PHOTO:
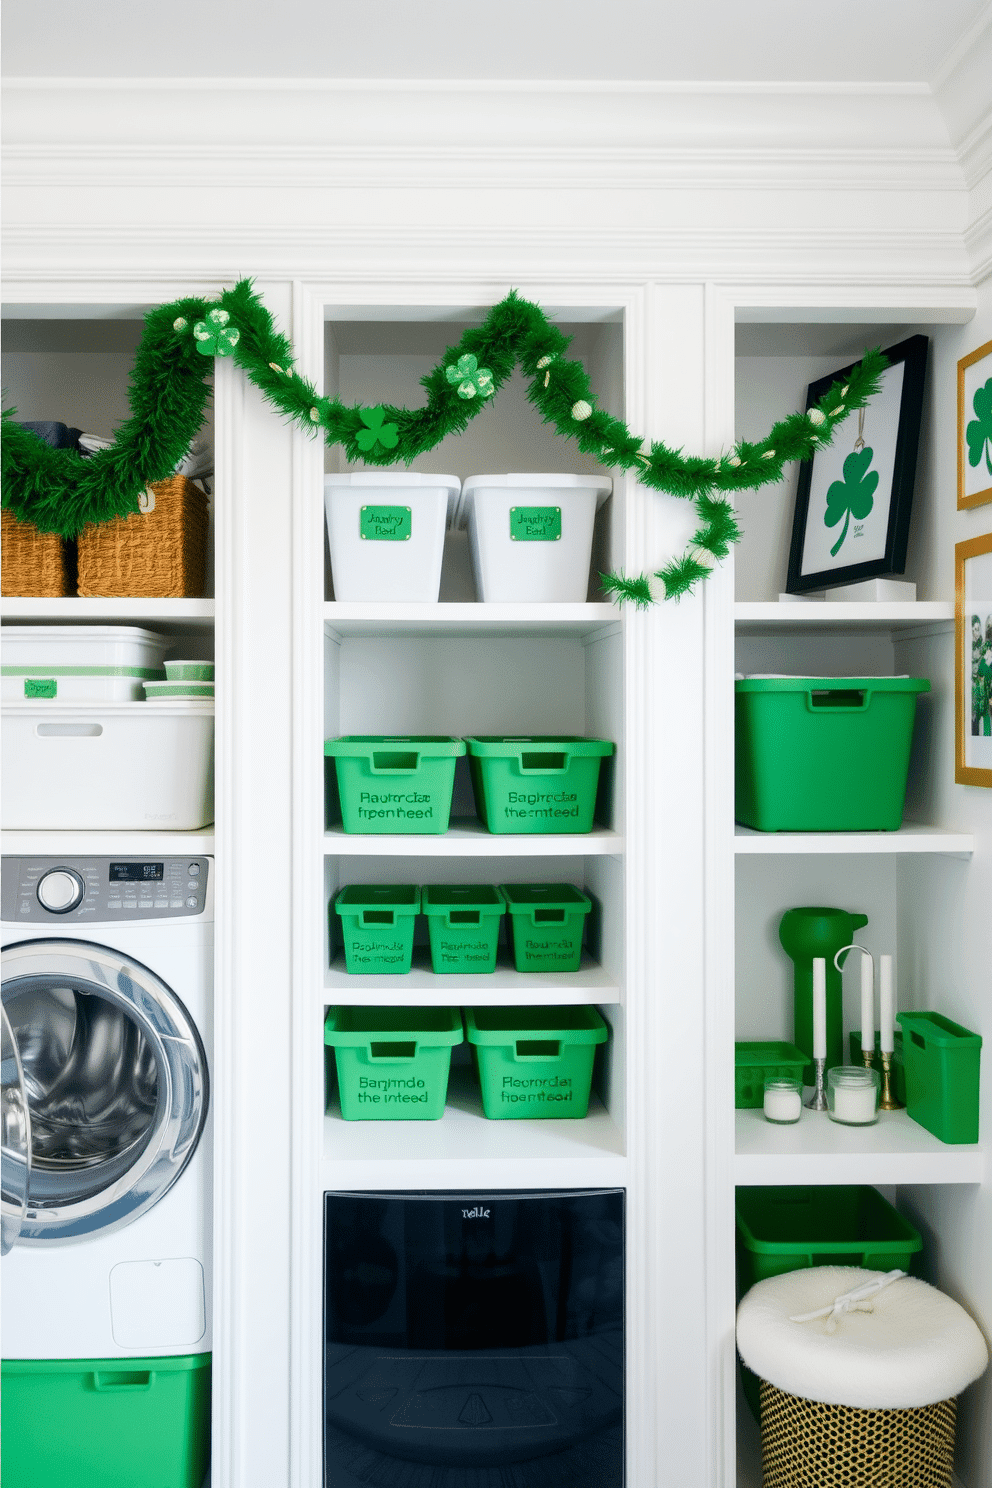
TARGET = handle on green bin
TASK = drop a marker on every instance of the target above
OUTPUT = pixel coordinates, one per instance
(531, 1049)
(117, 1381)
(394, 761)
(463, 917)
(538, 756)
(395, 1052)
(547, 916)
(863, 694)
(370, 917)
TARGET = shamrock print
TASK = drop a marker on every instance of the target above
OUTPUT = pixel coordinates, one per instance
(472, 379)
(375, 431)
(979, 431)
(853, 496)
(214, 337)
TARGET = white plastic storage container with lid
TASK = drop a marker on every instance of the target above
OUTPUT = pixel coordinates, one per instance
(385, 530)
(531, 535)
(79, 663)
(112, 766)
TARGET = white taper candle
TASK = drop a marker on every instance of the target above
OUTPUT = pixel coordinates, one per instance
(867, 1003)
(819, 1008)
(886, 1005)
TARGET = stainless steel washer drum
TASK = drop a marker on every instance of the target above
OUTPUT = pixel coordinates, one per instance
(116, 1083)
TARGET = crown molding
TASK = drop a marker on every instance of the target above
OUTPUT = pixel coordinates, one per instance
(978, 241)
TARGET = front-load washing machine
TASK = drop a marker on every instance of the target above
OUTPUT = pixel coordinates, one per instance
(107, 996)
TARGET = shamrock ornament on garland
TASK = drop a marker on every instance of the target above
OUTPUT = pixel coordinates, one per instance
(375, 431)
(472, 379)
(214, 337)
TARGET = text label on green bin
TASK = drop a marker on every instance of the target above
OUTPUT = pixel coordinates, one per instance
(386, 523)
(535, 523)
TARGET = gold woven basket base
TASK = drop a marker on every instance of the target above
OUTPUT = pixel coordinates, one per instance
(805, 1444)
(157, 553)
(34, 563)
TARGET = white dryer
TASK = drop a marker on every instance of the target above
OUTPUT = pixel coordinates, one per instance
(107, 996)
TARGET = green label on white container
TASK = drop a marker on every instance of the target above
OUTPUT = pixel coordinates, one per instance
(40, 687)
(385, 523)
(535, 523)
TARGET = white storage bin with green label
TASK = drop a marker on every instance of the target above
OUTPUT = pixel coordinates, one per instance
(385, 530)
(531, 535)
(80, 663)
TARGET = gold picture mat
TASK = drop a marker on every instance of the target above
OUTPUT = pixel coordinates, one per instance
(965, 774)
(975, 498)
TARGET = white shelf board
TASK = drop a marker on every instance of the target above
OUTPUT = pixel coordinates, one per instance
(49, 844)
(468, 838)
(818, 1150)
(761, 617)
(910, 838)
(505, 987)
(464, 1148)
(185, 614)
(470, 619)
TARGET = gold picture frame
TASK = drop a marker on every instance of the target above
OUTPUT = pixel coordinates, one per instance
(971, 384)
(973, 661)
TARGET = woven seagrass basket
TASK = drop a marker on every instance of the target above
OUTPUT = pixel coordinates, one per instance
(159, 552)
(34, 563)
(806, 1444)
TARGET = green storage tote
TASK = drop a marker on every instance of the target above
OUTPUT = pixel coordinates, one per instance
(824, 754)
(395, 783)
(757, 1061)
(463, 921)
(99, 1423)
(534, 1061)
(377, 923)
(547, 922)
(537, 782)
(898, 1069)
(942, 1062)
(392, 1062)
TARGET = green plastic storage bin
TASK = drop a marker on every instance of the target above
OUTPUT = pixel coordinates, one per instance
(789, 1229)
(463, 922)
(534, 1061)
(547, 922)
(824, 754)
(377, 922)
(898, 1069)
(942, 1062)
(757, 1061)
(392, 1063)
(536, 783)
(100, 1423)
(392, 783)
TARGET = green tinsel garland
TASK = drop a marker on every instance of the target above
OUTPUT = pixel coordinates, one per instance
(61, 491)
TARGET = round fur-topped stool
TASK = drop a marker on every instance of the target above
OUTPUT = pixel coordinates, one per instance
(860, 1373)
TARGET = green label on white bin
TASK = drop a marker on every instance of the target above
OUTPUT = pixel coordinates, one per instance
(385, 523)
(535, 523)
(40, 687)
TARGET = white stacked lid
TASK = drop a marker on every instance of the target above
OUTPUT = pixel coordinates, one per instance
(79, 663)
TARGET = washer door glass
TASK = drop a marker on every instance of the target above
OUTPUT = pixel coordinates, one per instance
(15, 1121)
(115, 1077)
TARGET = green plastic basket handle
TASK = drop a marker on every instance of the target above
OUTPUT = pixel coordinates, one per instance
(119, 1381)
(395, 761)
(540, 1049)
(543, 754)
(371, 918)
(863, 693)
(389, 1052)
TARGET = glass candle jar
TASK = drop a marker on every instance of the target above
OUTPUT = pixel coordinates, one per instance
(852, 1094)
(783, 1101)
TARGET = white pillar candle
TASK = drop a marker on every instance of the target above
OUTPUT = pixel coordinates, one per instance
(819, 1008)
(886, 1005)
(867, 1003)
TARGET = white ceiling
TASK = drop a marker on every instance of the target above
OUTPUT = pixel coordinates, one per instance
(854, 41)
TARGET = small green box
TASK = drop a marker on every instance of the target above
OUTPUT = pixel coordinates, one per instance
(463, 921)
(393, 783)
(757, 1061)
(536, 782)
(534, 1061)
(942, 1062)
(90, 1423)
(824, 754)
(546, 925)
(377, 922)
(898, 1069)
(392, 1062)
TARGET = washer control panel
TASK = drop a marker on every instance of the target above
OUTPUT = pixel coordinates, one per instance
(102, 890)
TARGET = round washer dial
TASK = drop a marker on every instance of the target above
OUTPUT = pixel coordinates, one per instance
(60, 890)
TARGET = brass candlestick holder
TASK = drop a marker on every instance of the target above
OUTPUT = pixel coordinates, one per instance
(887, 1101)
(818, 1100)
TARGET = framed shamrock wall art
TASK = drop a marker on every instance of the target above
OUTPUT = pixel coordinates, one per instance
(854, 497)
(975, 427)
(973, 661)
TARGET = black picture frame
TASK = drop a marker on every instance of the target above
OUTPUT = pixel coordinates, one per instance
(895, 412)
